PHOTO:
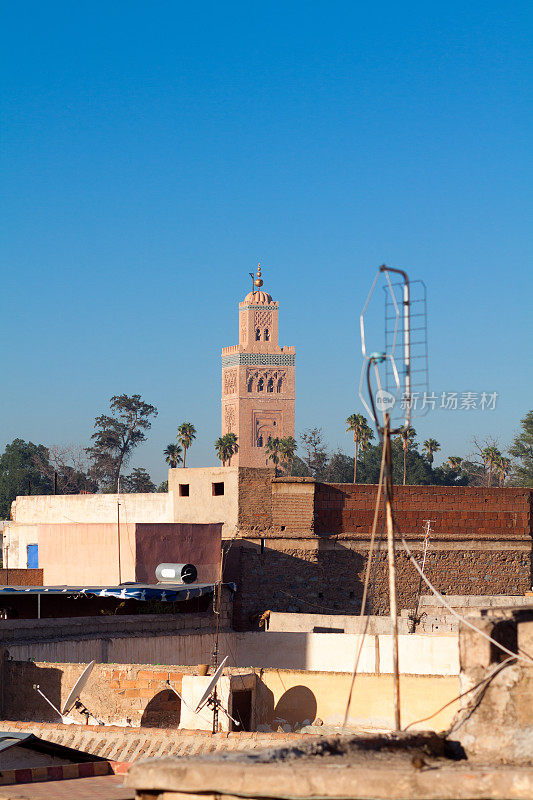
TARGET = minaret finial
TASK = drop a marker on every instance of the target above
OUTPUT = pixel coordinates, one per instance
(258, 281)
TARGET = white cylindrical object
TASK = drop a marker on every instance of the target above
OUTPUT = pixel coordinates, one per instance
(176, 573)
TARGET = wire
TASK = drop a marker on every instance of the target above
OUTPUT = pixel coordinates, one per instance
(525, 657)
(482, 682)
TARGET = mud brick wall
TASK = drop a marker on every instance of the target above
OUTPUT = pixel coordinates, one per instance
(120, 694)
(314, 557)
(255, 499)
(454, 511)
(21, 577)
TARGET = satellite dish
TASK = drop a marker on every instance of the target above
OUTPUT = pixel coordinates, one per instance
(212, 683)
(77, 689)
(72, 700)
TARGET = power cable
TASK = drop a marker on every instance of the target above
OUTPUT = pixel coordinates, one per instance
(482, 682)
(525, 657)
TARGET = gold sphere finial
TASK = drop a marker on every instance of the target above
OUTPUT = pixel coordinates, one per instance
(258, 281)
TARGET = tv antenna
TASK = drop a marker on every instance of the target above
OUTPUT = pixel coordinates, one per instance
(392, 379)
(209, 698)
(402, 350)
(73, 700)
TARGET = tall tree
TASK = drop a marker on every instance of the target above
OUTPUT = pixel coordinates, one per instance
(226, 446)
(186, 436)
(503, 468)
(66, 467)
(172, 455)
(362, 434)
(231, 445)
(116, 435)
(454, 463)
(522, 449)
(407, 438)
(287, 449)
(138, 481)
(19, 471)
(490, 455)
(430, 447)
(272, 452)
(221, 450)
(339, 468)
(316, 455)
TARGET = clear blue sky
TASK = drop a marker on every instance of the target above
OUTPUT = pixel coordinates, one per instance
(152, 153)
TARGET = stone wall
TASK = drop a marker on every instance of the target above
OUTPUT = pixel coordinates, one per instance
(495, 720)
(255, 499)
(138, 695)
(313, 559)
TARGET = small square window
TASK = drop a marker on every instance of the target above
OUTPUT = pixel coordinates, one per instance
(184, 489)
(218, 489)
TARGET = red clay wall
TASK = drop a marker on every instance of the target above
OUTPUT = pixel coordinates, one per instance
(454, 511)
(21, 577)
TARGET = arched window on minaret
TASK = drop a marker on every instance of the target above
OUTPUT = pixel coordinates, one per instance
(250, 384)
(270, 385)
(257, 334)
(267, 335)
(260, 385)
(279, 385)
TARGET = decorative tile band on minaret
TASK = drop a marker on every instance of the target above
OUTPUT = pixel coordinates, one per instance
(258, 392)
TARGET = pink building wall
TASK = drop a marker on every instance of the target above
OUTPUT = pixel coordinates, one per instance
(87, 553)
(77, 553)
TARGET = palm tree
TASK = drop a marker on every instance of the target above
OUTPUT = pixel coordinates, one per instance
(186, 435)
(431, 446)
(221, 448)
(272, 452)
(454, 463)
(406, 437)
(503, 467)
(287, 448)
(230, 443)
(173, 455)
(362, 434)
(490, 455)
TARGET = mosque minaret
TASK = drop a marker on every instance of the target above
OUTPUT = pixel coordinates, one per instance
(257, 380)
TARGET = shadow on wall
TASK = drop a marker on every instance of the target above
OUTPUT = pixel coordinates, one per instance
(295, 706)
(327, 579)
(163, 711)
(21, 701)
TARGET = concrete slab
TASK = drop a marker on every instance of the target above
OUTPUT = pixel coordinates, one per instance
(395, 767)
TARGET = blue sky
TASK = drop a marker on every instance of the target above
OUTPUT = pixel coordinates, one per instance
(152, 153)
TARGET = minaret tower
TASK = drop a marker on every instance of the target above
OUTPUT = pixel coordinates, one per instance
(257, 380)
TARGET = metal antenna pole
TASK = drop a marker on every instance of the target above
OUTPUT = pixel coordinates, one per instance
(216, 602)
(118, 530)
(392, 571)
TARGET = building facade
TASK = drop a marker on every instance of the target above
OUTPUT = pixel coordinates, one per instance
(258, 390)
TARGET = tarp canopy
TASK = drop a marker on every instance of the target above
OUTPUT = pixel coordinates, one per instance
(166, 593)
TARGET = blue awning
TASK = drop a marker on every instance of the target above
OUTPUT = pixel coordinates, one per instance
(171, 593)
